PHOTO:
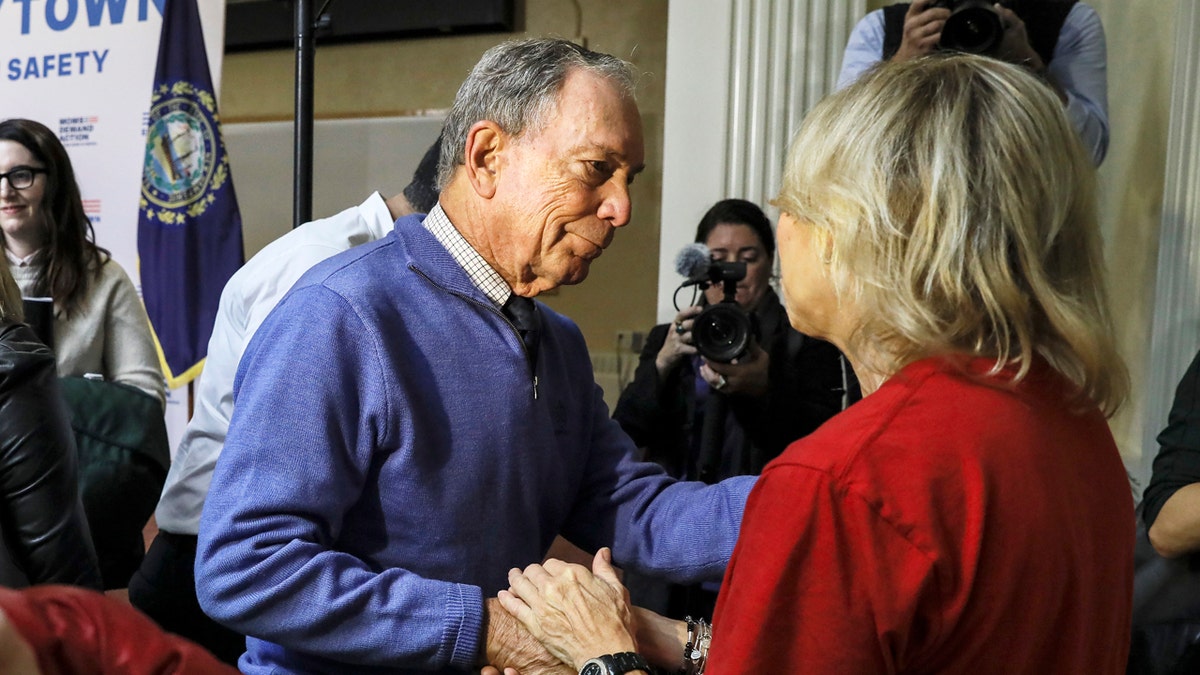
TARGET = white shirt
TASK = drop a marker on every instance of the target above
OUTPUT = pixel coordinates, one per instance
(248, 298)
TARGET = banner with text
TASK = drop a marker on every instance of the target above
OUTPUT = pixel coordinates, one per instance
(85, 68)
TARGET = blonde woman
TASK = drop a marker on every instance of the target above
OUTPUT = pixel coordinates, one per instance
(971, 514)
(44, 535)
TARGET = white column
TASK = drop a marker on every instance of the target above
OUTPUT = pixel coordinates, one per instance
(1175, 334)
(740, 76)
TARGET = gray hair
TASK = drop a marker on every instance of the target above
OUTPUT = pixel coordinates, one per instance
(516, 85)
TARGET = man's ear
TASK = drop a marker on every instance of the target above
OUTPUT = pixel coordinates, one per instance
(485, 142)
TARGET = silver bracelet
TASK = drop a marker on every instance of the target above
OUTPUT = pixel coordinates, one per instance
(695, 650)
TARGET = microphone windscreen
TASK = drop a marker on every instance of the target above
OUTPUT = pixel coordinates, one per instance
(693, 260)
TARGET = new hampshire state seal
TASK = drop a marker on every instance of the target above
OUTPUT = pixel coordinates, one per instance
(182, 170)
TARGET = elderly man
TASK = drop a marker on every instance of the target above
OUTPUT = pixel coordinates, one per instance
(409, 425)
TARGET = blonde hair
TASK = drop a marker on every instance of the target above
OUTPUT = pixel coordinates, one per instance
(962, 212)
(10, 296)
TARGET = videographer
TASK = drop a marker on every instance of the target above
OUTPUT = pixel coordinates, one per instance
(1062, 41)
(701, 419)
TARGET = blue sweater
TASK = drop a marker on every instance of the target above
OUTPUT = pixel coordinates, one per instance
(388, 462)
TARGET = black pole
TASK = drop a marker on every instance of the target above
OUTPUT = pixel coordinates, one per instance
(303, 161)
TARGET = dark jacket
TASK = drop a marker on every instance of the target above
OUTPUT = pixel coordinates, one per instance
(43, 532)
(806, 387)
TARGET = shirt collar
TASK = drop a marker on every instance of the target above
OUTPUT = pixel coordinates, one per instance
(18, 261)
(483, 275)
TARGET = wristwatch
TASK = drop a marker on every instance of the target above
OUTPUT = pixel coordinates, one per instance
(615, 664)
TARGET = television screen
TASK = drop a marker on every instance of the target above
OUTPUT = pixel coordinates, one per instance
(270, 24)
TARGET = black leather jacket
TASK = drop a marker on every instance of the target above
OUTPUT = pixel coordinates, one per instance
(43, 532)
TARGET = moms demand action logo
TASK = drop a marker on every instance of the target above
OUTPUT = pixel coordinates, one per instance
(182, 171)
(73, 131)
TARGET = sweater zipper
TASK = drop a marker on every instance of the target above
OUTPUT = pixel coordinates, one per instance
(491, 308)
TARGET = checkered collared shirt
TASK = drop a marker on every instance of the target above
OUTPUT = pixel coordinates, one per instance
(486, 278)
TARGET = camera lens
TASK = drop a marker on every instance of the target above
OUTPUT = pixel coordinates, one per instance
(722, 332)
(974, 27)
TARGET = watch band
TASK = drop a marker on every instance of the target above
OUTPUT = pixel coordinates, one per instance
(615, 664)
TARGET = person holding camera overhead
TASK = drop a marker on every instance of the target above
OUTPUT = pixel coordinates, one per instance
(703, 419)
(1060, 41)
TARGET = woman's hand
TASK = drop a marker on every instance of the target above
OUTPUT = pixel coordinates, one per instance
(659, 639)
(678, 343)
(748, 375)
(577, 614)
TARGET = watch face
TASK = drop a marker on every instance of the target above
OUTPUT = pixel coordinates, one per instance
(593, 668)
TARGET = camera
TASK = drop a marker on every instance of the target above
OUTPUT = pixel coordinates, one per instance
(722, 331)
(973, 27)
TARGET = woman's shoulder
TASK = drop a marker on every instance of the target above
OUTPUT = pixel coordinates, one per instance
(109, 269)
(110, 280)
(910, 406)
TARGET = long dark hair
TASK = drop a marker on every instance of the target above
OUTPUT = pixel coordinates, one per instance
(71, 260)
(738, 212)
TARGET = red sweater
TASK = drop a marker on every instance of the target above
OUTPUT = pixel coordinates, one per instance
(938, 526)
(78, 631)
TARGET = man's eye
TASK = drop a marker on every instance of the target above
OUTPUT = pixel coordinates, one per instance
(600, 166)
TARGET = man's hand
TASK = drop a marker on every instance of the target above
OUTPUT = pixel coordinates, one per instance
(512, 647)
(747, 376)
(1014, 46)
(922, 30)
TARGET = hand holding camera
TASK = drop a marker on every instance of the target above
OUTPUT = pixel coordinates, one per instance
(678, 344)
(972, 26)
(722, 331)
(748, 375)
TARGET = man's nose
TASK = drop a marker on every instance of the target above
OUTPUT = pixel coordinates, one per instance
(617, 207)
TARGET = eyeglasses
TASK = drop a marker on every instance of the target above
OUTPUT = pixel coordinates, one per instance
(22, 176)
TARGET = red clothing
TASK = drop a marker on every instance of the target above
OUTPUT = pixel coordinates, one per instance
(940, 525)
(80, 632)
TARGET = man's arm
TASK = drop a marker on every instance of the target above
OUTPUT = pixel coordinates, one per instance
(310, 414)
(1080, 69)
(864, 48)
(679, 531)
(1176, 531)
(1171, 502)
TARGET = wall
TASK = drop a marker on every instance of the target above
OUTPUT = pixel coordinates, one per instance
(1141, 47)
(405, 77)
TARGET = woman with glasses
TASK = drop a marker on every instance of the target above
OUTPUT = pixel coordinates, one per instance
(100, 325)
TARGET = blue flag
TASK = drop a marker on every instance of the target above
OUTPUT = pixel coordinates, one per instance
(189, 228)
